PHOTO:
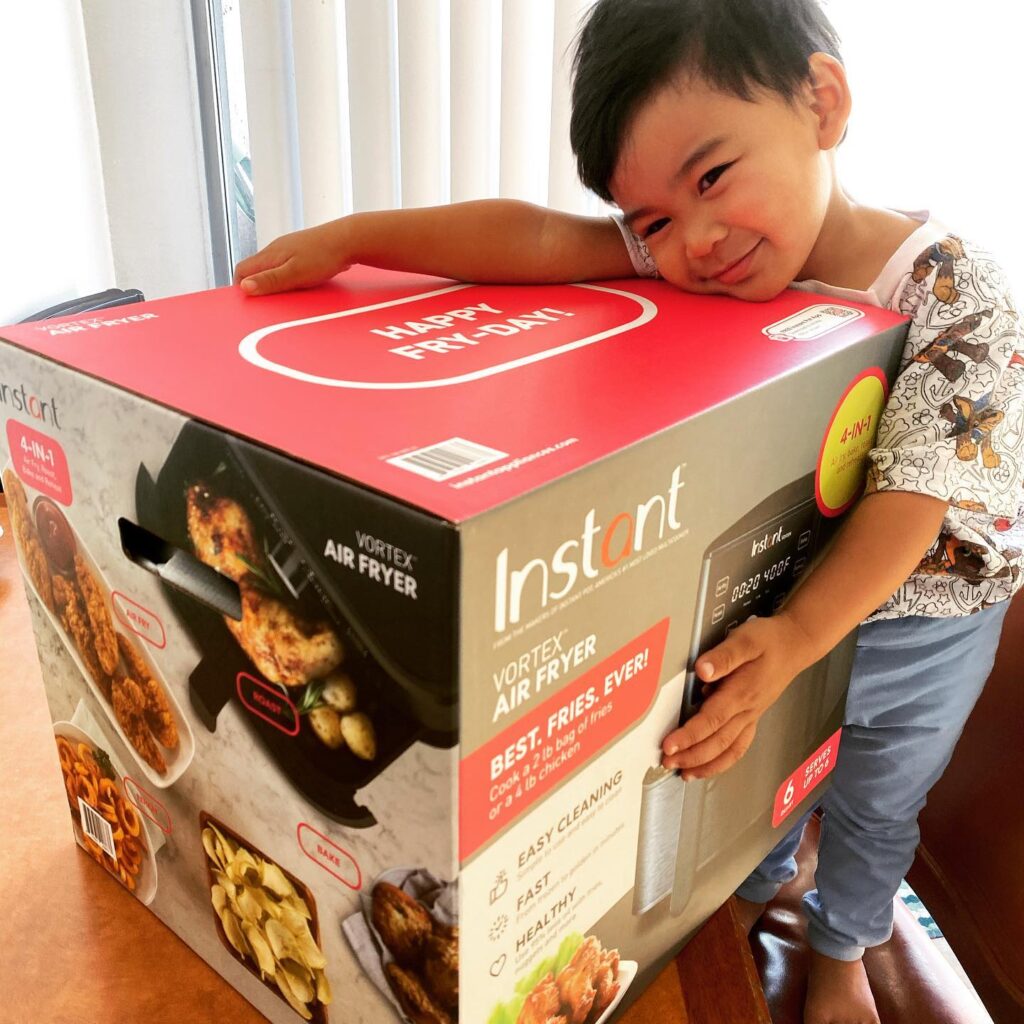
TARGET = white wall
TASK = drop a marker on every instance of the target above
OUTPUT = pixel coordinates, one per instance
(54, 242)
(143, 78)
(938, 114)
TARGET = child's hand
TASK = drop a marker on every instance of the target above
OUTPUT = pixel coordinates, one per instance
(750, 668)
(299, 260)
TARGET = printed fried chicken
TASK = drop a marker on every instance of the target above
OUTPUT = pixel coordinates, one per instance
(104, 636)
(221, 532)
(283, 645)
(17, 500)
(70, 606)
(606, 983)
(543, 1005)
(441, 970)
(38, 568)
(130, 711)
(28, 539)
(413, 998)
(576, 980)
(158, 712)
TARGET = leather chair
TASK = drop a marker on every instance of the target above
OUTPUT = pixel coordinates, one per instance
(969, 872)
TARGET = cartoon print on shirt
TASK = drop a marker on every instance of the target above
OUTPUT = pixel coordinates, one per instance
(954, 339)
(970, 506)
(973, 423)
(953, 556)
(942, 255)
(954, 428)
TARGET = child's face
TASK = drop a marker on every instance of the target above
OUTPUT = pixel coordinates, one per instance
(729, 195)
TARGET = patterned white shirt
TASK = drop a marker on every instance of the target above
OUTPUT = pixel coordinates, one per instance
(953, 427)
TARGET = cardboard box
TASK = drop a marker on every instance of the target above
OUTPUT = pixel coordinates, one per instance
(491, 527)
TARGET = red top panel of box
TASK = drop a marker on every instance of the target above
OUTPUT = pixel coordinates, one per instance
(504, 387)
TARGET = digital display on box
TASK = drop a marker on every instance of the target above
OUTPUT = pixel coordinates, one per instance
(752, 574)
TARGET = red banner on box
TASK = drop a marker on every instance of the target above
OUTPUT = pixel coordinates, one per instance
(805, 778)
(544, 747)
(40, 461)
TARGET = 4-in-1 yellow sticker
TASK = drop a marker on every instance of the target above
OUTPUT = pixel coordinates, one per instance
(842, 462)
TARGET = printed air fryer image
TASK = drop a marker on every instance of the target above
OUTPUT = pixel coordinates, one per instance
(302, 655)
(279, 638)
(77, 599)
(406, 939)
(581, 984)
(266, 919)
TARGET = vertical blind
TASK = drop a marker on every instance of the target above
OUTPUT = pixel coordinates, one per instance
(370, 104)
(373, 104)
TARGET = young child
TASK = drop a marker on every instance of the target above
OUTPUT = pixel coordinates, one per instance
(713, 125)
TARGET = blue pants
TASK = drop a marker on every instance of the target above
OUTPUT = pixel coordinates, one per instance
(915, 681)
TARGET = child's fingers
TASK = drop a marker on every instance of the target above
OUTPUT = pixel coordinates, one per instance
(698, 755)
(735, 650)
(715, 715)
(266, 282)
(727, 758)
(254, 264)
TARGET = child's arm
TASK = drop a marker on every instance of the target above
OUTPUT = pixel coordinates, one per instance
(878, 547)
(492, 240)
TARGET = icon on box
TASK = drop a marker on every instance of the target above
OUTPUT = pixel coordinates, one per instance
(500, 887)
(805, 539)
(799, 565)
(718, 614)
(722, 586)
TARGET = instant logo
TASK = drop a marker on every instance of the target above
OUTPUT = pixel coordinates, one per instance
(597, 548)
(19, 398)
(92, 323)
(768, 541)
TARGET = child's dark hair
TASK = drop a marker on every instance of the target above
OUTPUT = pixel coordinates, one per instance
(628, 49)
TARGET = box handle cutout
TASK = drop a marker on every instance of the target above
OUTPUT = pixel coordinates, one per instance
(180, 569)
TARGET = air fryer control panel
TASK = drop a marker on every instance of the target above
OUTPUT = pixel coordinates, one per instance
(751, 575)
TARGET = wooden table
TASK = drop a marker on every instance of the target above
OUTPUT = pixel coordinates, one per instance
(78, 949)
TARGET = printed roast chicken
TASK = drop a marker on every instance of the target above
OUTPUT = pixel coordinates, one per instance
(286, 647)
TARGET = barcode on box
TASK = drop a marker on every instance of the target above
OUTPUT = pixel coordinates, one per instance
(97, 828)
(447, 458)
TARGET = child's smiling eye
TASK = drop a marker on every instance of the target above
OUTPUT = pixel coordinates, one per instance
(711, 177)
(654, 227)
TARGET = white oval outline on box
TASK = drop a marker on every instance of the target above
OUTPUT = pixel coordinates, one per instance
(248, 347)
